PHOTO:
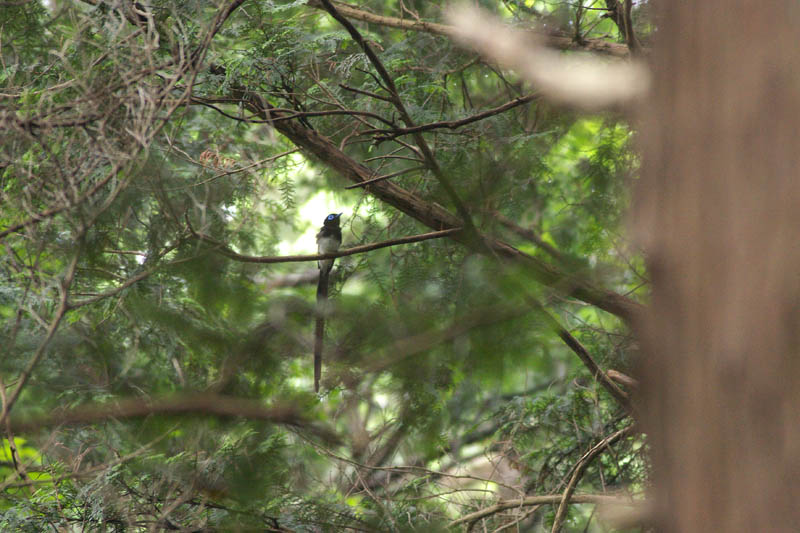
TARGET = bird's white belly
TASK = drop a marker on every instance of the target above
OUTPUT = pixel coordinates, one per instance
(326, 245)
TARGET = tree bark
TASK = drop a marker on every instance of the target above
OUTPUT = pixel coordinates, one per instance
(719, 214)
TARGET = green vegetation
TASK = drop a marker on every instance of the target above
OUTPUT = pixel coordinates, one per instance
(156, 376)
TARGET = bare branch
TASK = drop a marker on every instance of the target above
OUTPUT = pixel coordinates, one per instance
(385, 177)
(533, 501)
(181, 404)
(623, 379)
(225, 250)
(454, 124)
(288, 114)
(365, 93)
(594, 368)
(584, 462)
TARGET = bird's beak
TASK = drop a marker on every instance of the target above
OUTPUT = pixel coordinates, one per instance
(339, 215)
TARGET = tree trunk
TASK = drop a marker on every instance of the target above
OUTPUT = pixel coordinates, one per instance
(719, 212)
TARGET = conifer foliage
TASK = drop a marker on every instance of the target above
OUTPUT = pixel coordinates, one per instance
(164, 163)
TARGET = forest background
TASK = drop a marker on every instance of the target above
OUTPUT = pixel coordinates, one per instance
(164, 167)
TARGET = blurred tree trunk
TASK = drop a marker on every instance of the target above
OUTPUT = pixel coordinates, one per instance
(719, 208)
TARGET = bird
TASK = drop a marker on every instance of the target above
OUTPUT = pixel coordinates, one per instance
(329, 239)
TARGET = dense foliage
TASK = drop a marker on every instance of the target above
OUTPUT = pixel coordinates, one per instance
(157, 371)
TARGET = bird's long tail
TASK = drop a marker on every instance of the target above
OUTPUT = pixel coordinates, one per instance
(319, 328)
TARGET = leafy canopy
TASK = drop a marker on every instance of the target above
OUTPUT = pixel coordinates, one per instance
(157, 378)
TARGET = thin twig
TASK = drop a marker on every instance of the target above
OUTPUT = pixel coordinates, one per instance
(121, 287)
(225, 250)
(583, 354)
(63, 307)
(594, 368)
(19, 466)
(385, 177)
(365, 93)
(292, 114)
(454, 124)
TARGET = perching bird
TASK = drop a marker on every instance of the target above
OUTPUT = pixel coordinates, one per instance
(329, 239)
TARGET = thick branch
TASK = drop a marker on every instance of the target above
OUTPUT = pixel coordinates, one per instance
(620, 13)
(182, 404)
(437, 217)
(427, 153)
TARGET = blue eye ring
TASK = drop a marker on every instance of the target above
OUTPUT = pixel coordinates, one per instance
(330, 217)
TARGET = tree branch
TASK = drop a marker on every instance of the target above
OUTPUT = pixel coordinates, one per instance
(180, 404)
(453, 124)
(225, 250)
(191, 68)
(437, 217)
(287, 114)
(385, 177)
(620, 13)
(584, 462)
(531, 235)
(583, 354)
(532, 500)
(394, 94)
(49, 213)
(63, 307)
(589, 362)
(560, 42)
(124, 285)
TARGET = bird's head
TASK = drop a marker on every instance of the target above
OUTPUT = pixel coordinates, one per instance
(332, 219)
